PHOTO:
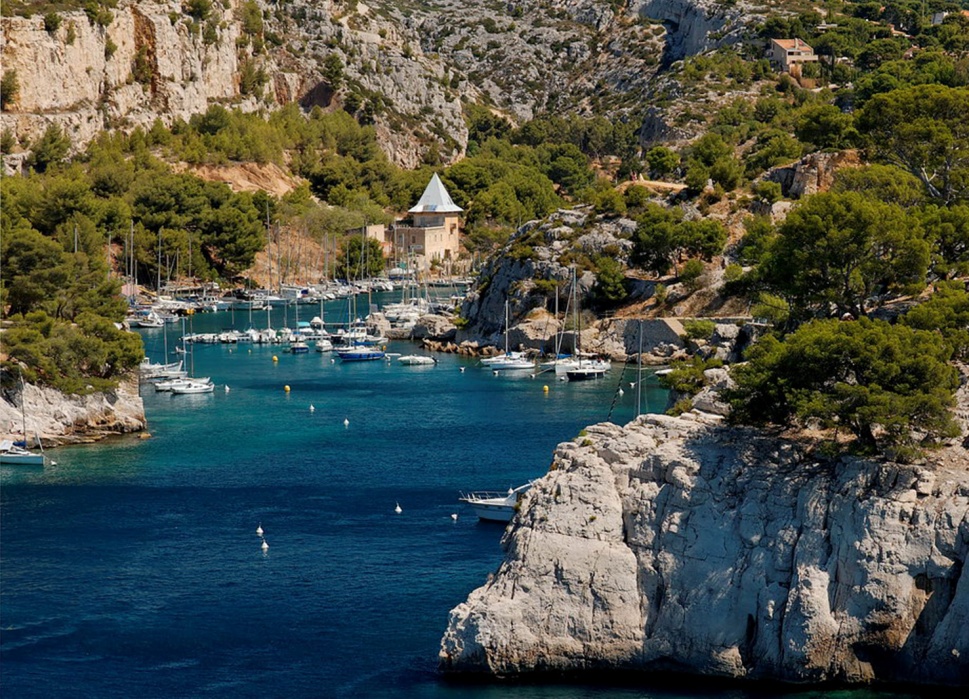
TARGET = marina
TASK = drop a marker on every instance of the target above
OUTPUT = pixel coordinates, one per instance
(168, 592)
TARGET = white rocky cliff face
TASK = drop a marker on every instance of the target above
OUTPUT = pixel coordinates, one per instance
(58, 418)
(680, 544)
(143, 65)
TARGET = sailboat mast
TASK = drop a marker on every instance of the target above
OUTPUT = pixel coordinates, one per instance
(23, 406)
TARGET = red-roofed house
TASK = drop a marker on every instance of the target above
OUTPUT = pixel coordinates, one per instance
(790, 54)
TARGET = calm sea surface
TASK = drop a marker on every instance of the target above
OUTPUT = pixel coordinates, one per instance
(132, 568)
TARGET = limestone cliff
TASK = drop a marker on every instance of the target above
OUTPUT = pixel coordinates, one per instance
(405, 67)
(56, 418)
(680, 544)
(149, 62)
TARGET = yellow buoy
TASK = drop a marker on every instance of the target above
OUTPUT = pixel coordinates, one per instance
(286, 388)
(144, 435)
(275, 358)
(545, 389)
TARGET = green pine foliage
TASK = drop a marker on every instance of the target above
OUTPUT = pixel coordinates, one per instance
(888, 386)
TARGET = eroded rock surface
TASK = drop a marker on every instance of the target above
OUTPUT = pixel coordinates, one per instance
(683, 544)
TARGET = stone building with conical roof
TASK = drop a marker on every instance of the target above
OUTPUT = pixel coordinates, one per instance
(435, 226)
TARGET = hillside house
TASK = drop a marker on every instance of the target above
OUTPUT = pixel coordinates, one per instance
(788, 55)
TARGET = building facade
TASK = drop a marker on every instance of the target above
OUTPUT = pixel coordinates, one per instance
(788, 55)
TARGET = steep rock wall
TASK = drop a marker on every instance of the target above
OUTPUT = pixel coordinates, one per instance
(83, 77)
(680, 544)
(694, 26)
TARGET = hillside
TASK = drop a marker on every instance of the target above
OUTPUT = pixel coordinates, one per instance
(406, 67)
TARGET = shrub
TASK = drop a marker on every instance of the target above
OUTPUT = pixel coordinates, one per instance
(52, 21)
(9, 89)
(699, 329)
(690, 274)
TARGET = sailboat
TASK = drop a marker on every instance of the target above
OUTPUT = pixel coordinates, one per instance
(358, 346)
(16, 453)
(190, 384)
(577, 367)
(509, 361)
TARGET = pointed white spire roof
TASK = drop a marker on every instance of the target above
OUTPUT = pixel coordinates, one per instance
(435, 199)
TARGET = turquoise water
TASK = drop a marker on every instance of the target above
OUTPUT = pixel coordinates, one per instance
(132, 567)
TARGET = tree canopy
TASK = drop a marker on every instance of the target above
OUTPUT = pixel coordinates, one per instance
(924, 130)
(836, 252)
(889, 386)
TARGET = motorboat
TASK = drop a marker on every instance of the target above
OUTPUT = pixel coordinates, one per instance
(324, 345)
(416, 360)
(15, 454)
(172, 384)
(361, 353)
(496, 506)
(192, 386)
(299, 347)
(592, 369)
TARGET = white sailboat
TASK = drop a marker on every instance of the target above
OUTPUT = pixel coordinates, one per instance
(190, 384)
(16, 453)
(509, 361)
(578, 366)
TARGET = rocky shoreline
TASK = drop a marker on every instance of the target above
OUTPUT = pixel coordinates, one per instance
(684, 545)
(57, 418)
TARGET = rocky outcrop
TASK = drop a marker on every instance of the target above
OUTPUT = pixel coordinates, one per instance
(680, 544)
(57, 418)
(813, 173)
(695, 26)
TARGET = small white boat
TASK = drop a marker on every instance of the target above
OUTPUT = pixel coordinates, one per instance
(192, 386)
(416, 360)
(172, 384)
(495, 506)
(299, 347)
(12, 454)
(500, 358)
(509, 361)
(324, 345)
(512, 364)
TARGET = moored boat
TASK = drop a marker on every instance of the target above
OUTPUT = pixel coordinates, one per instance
(361, 353)
(416, 360)
(14, 454)
(494, 506)
(192, 386)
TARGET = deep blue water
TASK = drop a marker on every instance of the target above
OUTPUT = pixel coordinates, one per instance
(132, 567)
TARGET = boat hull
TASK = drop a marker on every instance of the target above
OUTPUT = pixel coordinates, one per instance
(585, 374)
(493, 512)
(25, 459)
(360, 355)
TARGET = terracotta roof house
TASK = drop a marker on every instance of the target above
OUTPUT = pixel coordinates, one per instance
(789, 54)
